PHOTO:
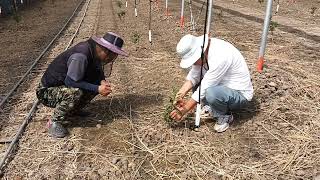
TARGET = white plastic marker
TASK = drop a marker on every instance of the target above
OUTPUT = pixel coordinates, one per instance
(0, 10)
(264, 36)
(21, 1)
(126, 3)
(150, 36)
(182, 16)
(150, 1)
(206, 32)
(198, 115)
(209, 17)
(278, 5)
(191, 16)
(135, 8)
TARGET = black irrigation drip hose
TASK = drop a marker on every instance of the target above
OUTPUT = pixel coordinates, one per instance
(202, 49)
(5, 99)
(35, 104)
(17, 136)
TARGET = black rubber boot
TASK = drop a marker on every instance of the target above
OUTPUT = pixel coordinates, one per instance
(56, 130)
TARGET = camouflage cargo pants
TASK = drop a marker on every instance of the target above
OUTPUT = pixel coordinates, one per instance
(65, 100)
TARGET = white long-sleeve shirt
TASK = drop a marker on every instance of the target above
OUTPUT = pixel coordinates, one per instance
(227, 67)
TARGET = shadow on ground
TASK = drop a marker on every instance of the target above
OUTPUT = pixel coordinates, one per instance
(105, 111)
(240, 117)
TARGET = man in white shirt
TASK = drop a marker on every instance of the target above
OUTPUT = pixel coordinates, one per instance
(226, 84)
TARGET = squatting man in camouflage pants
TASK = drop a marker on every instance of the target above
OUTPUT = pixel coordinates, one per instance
(75, 77)
(226, 85)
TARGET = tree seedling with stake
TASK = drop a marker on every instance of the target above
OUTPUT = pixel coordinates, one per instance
(273, 26)
(16, 16)
(313, 10)
(119, 3)
(121, 14)
(135, 38)
(150, 19)
(220, 13)
(191, 17)
(169, 107)
(135, 8)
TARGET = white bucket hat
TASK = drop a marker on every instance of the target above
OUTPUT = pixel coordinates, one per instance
(189, 49)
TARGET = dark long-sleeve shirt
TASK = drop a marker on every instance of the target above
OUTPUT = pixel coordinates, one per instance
(77, 64)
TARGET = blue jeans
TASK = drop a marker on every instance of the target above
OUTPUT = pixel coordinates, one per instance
(222, 100)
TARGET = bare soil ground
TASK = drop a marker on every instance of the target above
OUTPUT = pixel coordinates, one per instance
(299, 17)
(306, 11)
(276, 138)
(21, 42)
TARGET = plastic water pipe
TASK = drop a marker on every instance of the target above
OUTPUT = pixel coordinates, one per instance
(167, 11)
(206, 32)
(264, 36)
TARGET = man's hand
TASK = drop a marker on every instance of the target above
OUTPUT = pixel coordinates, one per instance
(105, 89)
(181, 110)
(178, 113)
(186, 87)
(179, 103)
(178, 98)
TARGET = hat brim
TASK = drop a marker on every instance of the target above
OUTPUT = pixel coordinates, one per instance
(186, 62)
(109, 46)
